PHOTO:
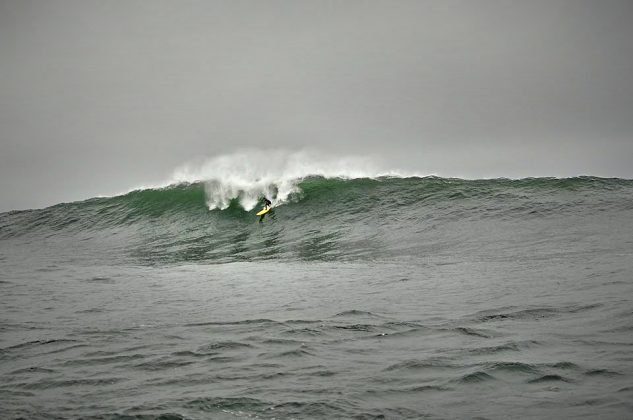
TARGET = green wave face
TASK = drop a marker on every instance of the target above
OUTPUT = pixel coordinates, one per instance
(317, 219)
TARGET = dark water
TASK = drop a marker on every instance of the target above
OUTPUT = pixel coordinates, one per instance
(388, 298)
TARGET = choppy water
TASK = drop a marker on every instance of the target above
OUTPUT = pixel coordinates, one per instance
(383, 298)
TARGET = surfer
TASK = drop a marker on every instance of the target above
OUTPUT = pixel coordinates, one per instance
(263, 211)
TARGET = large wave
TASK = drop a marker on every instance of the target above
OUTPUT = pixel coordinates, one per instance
(330, 219)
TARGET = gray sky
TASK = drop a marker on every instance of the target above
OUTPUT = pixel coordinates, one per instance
(97, 97)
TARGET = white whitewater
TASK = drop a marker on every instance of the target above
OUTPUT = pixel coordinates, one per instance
(250, 174)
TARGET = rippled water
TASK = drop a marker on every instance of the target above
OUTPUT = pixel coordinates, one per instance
(524, 317)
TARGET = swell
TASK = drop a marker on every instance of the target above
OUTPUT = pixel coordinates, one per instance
(337, 194)
(319, 218)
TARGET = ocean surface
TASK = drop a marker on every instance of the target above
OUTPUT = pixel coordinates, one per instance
(359, 298)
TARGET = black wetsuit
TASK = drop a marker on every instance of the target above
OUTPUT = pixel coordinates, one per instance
(267, 204)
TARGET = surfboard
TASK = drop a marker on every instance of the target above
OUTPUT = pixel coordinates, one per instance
(263, 211)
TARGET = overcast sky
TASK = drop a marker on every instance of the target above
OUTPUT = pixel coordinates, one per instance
(97, 97)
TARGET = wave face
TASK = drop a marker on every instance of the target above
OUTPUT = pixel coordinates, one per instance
(322, 218)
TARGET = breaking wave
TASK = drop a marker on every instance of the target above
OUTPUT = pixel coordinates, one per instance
(248, 175)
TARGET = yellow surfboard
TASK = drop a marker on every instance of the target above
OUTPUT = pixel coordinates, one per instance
(263, 211)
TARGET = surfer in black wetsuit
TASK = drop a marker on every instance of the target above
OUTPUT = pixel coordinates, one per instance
(267, 204)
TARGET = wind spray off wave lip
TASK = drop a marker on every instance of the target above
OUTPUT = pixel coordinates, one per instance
(247, 175)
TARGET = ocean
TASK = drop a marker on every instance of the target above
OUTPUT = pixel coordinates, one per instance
(354, 298)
